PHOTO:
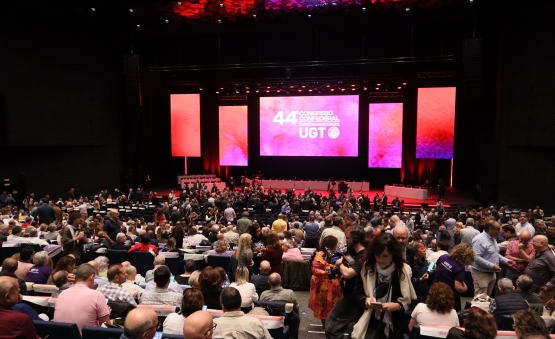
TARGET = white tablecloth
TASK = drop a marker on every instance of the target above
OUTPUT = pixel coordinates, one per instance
(312, 184)
(404, 192)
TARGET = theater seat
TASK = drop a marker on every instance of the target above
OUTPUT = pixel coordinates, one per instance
(117, 256)
(143, 261)
(93, 332)
(56, 330)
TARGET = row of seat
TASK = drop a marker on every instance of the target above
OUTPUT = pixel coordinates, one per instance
(60, 330)
(433, 332)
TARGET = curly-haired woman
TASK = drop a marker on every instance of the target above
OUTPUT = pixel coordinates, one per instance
(450, 269)
(438, 309)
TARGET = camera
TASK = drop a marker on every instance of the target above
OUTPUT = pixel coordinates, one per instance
(331, 258)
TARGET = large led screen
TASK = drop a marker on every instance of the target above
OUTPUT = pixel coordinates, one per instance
(435, 126)
(233, 136)
(385, 138)
(309, 126)
(185, 125)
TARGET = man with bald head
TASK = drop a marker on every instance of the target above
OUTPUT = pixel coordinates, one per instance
(112, 226)
(260, 281)
(234, 323)
(13, 324)
(9, 267)
(198, 325)
(542, 269)
(520, 251)
(401, 234)
(140, 323)
(278, 293)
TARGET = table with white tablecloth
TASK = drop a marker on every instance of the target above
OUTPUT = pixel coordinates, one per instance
(405, 192)
(312, 184)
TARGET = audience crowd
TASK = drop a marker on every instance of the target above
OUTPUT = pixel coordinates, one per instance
(371, 264)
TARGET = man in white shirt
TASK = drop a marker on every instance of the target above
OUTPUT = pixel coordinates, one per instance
(337, 232)
(34, 238)
(522, 225)
(469, 232)
(441, 249)
(194, 237)
(16, 235)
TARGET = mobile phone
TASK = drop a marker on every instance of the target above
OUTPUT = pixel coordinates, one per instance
(106, 301)
(158, 335)
(204, 308)
(431, 266)
(172, 278)
(375, 303)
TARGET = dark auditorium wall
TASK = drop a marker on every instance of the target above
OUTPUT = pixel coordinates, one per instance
(64, 91)
(526, 116)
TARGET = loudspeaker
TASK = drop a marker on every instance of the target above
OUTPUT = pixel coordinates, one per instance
(425, 205)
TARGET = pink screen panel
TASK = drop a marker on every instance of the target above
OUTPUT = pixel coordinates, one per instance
(385, 140)
(233, 136)
(309, 126)
(435, 127)
(185, 125)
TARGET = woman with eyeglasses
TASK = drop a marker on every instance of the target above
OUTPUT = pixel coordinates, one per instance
(384, 288)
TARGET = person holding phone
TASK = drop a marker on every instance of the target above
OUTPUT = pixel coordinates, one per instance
(416, 256)
(384, 287)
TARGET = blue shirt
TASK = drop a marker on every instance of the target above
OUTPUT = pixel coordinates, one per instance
(487, 253)
(311, 230)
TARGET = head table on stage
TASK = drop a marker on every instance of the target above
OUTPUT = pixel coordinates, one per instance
(405, 192)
